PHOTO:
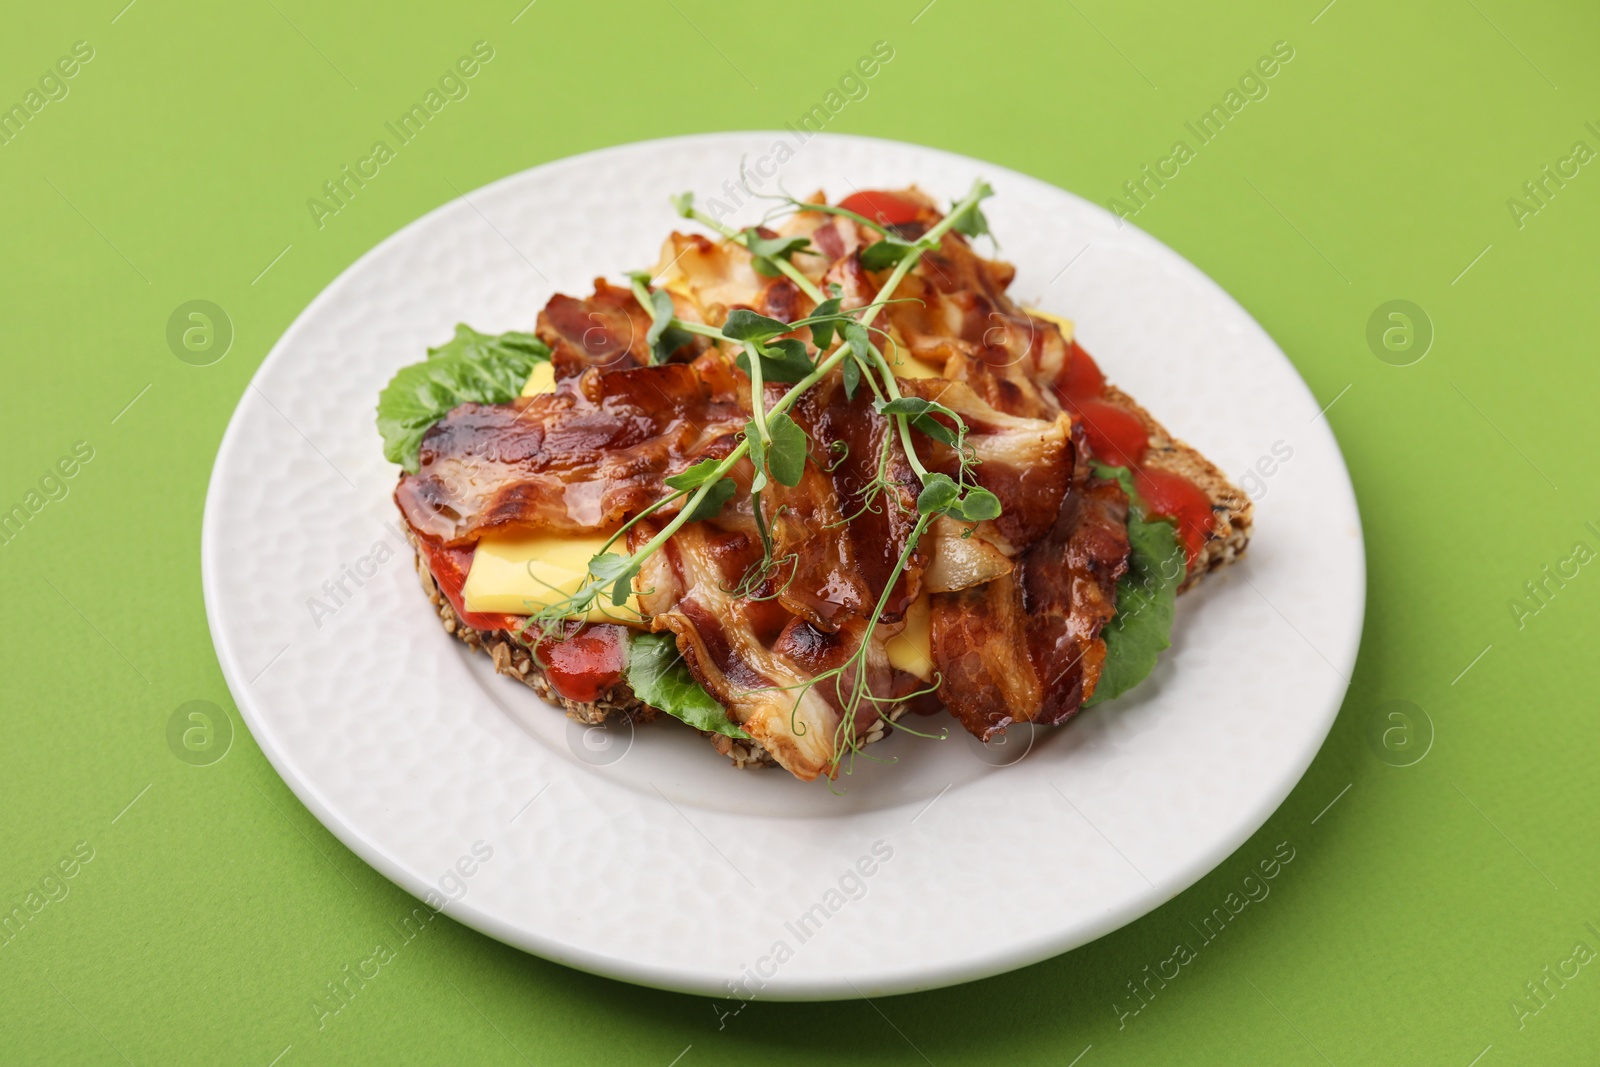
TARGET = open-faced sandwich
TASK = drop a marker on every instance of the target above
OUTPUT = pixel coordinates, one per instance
(798, 481)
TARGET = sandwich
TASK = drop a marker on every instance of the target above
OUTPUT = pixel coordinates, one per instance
(800, 485)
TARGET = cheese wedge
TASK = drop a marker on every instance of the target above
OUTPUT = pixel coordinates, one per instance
(911, 650)
(520, 574)
(912, 367)
(1066, 325)
(542, 380)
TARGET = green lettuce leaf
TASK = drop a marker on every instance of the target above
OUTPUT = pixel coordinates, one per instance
(471, 367)
(660, 678)
(1146, 596)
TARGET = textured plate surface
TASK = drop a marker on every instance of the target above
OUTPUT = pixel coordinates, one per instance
(647, 857)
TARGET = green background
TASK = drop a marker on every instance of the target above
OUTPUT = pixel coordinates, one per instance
(1379, 168)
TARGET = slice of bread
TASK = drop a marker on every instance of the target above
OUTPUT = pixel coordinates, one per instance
(1232, 510)
(619, 704)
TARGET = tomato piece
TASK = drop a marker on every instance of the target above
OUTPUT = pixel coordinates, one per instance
(1116, 436)
(587, 663)
(579, 667)
(886, 209)
(1172, 496)
(1080, 379)
(450, 567)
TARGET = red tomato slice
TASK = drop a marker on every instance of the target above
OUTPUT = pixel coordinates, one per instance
(450, 567)
(886, 209)
(1172, 496)
(588, 663)
(579, 667)
(1080, 379)
(1116, 436)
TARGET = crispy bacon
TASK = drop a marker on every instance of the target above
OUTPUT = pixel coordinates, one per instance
(957, 316)
(607, 331)
(762, 683)
(1027, 648)
(1026, 462)
(577, 460)
(985, 676)
(687, 591)
(848, 438)
(1069, 590)
(709, 279)
(816, 609)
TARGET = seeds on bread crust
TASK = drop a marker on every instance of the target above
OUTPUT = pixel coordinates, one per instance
(619, 704)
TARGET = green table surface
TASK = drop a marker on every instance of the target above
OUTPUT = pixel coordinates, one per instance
(1438, 910)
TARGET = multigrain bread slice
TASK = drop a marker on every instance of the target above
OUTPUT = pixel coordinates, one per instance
(512, 657)
(1232, 510)
(515, 660)
(619, 704)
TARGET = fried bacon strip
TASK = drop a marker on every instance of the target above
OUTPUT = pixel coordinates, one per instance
(754, 656)
(606, 331)
(849, 438)
(1026, 462)
(578, 460)
(1027, 647)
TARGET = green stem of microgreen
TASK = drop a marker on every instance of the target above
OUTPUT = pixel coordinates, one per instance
(795, 275)
(798, 277)
(716, 224)
(676, 494)
(700, 328)
(911, 449)
(845, 736)
(641, 292)
(901, 564)
(829, 209)
(758, 393)
(809, 380)
(870, 378)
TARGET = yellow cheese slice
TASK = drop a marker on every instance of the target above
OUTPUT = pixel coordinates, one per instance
(1066, 324)
(912, 367)
(522, 573)
(542, 380)
(911, 650)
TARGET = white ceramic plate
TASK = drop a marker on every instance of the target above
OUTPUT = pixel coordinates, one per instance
(648, 858)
